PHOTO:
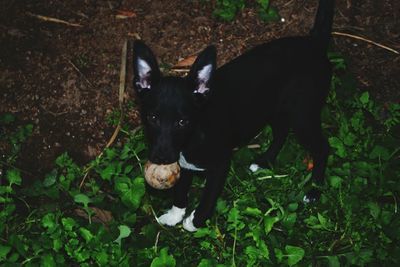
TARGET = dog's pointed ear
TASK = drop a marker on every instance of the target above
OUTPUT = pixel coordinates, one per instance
(202, 71)
(145, 67)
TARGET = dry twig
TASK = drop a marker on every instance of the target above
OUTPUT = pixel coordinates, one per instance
(366, 40)
(122, 80)
(55, 20)
(80, 72)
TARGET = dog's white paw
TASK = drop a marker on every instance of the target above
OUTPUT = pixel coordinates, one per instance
(172, 217)
(188, 223)
(254, 167)
(306, 200)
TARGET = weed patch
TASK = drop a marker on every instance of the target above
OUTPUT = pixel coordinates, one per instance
(260, 219)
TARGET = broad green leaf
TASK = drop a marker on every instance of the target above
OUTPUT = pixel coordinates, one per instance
(263, 3)
(57, 244)
(379, 152)
(110, 153)
(102, 258)
(270, 14)
(374, 209)
(138, 188)
(202, 232)
(294, 254)
(252, 212)
(128, 169)
(253, 254)
(289, 220)
(313, 222)
(338, 144)
(124, 232)
(83, 199)
(221, 207)
(49, 220)
(349, 139)
(364, 98)
(278, 254)
(131, 192)
(4, 250)
(335, 181)
(163, 260)
(293, 206)
(14, 177)
(108, 172)
(48, 261)
(86, 234)
(333, 261)
(82, 255)
(258, 238)
(269, 223)
(325, 223)
(50, 179)
(7, 118)
(68, 223)
(207, 263)
(234, 218)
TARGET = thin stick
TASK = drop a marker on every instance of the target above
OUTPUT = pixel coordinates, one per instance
(366, 40)
(156, 243)
(55, 20)
(80, 72)
(121, 91)
(122, 76)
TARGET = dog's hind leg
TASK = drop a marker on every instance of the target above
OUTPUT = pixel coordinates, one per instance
(280, 130)
(309, 133)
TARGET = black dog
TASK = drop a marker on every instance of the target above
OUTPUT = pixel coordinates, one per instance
(199, 119)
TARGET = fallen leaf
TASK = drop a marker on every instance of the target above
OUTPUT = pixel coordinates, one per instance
(124, 14)
(100, 215)
(186, 62)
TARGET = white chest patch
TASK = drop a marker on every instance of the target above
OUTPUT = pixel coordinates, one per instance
(186, 165)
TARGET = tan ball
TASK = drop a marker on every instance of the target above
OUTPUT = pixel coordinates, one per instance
(161, 176)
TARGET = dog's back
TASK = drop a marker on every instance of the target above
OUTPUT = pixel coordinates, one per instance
(281, 77)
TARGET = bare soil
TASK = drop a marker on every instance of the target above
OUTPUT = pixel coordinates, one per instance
(64, 79)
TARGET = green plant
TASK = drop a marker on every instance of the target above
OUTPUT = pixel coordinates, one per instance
(267, 12)
(227, 9)
(260, 219)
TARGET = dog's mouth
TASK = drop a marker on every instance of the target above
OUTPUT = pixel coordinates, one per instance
(162, 160)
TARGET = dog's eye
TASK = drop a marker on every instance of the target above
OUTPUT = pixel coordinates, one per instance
(183, 123)
(152, 118)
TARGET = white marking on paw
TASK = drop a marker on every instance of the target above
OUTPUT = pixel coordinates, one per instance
(306, 199)
(254, 167)
(186, 165)
(188, 223)
(172, 217)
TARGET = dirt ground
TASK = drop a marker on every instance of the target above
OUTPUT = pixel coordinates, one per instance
(64, 78)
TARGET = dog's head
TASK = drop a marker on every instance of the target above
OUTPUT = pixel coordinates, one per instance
(170, 106)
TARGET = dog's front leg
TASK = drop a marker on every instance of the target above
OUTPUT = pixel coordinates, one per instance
(215, 180)
(175, 215)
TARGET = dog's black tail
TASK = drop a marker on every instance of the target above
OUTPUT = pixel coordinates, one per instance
(321, 31)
